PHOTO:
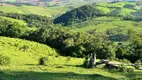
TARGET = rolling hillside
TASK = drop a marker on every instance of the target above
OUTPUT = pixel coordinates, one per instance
(108, 16)
(103, 25)
(61, 48)
(7, 0)
(24, 56)
(45, 11)
(24, 52)
(86, 12)
(68, 0)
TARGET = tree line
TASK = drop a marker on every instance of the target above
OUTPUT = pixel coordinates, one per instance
(32, 20)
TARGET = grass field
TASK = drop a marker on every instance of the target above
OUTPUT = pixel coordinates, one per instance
(45, 11)
(24, 64)
(106, 8)
(101, 24)
(15, 49)
(8, 0)
(60, 9)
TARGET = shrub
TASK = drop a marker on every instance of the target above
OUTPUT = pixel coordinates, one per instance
(68, 59)
(130, 70)
(57, 55)
(124, 69)
(130, 6)
(138, 64)
(125, 61)
(24, 48)
(59, 67)
(85, 63)
(4, 60)
(43, 60)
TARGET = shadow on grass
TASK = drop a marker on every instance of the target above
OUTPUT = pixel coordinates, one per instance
(75, 66)
(31, 64)
(50, 76)
(134, 76)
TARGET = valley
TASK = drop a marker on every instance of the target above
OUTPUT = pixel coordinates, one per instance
(71, 40)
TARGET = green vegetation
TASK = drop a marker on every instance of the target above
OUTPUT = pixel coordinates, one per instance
(8, 0)
(21, 22)
(83, 13)
(44, 11)
(25, 60)
(111, 31)
(22, 52)
(32, 20)
(4, 60)
(8, 28)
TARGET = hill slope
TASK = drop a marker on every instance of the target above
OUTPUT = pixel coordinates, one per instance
(22, 51)
(24, 59)
(45, 11)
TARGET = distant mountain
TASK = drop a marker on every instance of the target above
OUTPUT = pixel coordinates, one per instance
(7, 0)
(27, 1)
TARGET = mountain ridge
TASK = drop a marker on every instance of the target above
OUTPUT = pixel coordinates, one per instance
(28, 1)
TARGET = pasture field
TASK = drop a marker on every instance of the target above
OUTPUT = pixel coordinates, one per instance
(24, 64)
(40, 10)
(101, 24)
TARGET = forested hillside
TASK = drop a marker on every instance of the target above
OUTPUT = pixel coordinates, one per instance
(124, 10)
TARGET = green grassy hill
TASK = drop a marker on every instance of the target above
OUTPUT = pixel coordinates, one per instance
(23, 52)
(101, 24)
(122, 8)
(54, 9)
(45, 11)
(111, 17)
(88, 12)
(24, 57)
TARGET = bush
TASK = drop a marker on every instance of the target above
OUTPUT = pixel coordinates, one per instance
(130, 6)
(124, 61)
(24, 48)
(4, 60)
(124, 69)
(85, 63)
(130, 70)
(68, 59)
(43, 60)
(138, 64)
